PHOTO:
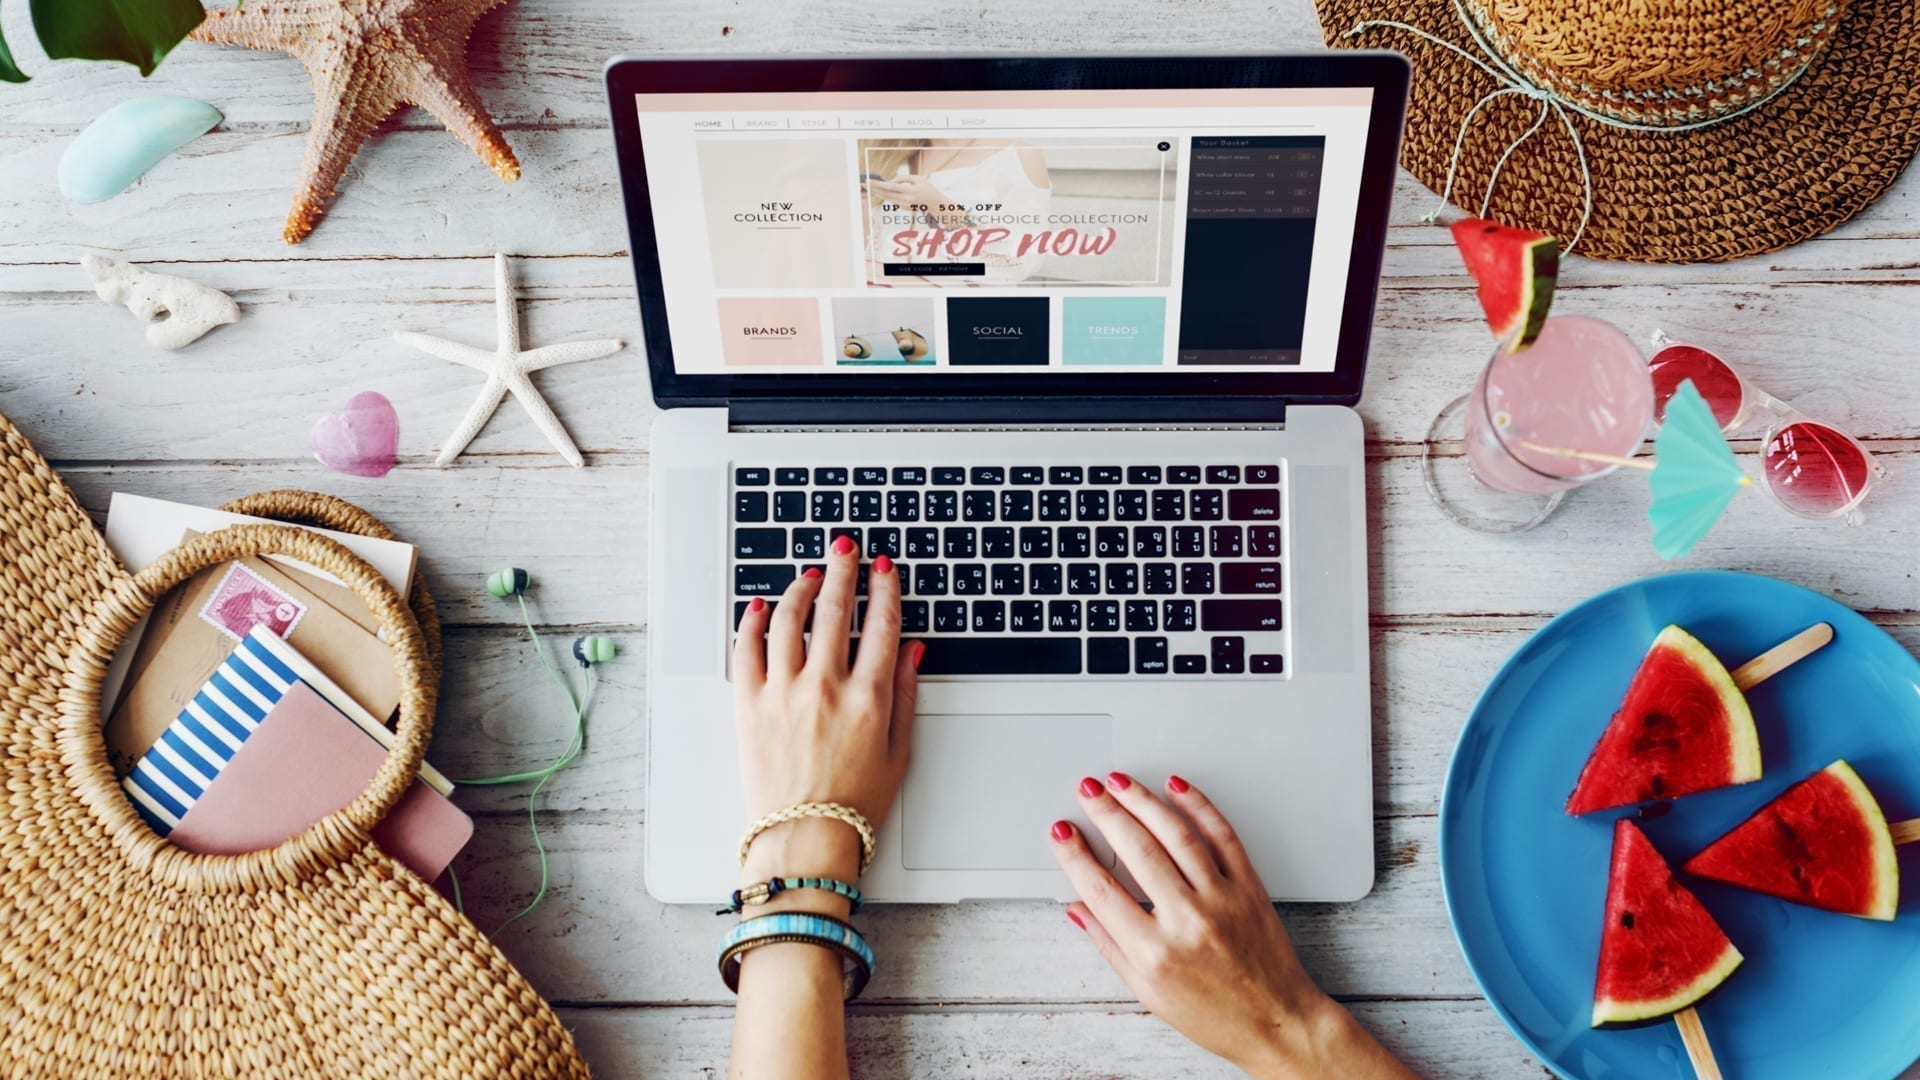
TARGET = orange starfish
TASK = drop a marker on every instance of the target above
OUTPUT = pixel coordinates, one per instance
(367, 58)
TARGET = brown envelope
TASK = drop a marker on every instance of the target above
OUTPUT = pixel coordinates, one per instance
(194, 626)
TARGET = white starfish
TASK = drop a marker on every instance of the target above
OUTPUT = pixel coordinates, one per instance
(507, 366)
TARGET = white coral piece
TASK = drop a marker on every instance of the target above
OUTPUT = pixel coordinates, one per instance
(177, 311)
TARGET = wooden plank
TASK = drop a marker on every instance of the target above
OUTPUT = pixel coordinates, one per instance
(1439, 1039)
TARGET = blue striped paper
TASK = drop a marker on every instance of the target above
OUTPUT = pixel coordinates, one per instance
(184, 760)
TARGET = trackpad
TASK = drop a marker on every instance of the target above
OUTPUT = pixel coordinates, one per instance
(982, 790)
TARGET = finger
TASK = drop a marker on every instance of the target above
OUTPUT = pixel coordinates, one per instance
(1152, 867)
(906, 694)
(833, 610)
(880, 633)
(1112, 905)
(1228, 852)
(786, 642)
(750, 648)
(1083, 917)
(1178, 837)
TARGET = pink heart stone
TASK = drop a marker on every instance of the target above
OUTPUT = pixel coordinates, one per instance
(361, 439)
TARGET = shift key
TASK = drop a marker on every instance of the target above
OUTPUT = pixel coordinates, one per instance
(1249, 577)
(1239, 615)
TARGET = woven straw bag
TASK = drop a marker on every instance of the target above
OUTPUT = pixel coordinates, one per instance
(121, 955)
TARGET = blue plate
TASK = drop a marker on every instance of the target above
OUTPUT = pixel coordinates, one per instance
(1820, 994)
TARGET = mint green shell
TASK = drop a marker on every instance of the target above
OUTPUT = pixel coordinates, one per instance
(125, 141)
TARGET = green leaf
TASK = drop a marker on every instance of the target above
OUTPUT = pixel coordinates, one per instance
(139, 32)
(9, 71)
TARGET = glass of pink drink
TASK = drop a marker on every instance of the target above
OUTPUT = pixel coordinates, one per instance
(1581, 388)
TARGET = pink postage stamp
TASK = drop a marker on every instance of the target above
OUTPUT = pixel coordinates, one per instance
(243, 600)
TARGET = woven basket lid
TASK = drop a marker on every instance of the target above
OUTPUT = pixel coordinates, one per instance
(1798, 113)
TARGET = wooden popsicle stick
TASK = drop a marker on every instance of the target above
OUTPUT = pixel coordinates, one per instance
(1905, 832)
(1782, 656)
(1588, 455)
(1699, 1050)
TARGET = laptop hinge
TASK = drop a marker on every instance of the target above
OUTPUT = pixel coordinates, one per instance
(784, 411)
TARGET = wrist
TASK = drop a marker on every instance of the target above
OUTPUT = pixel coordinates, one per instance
(808, 847)
(1301, 1041)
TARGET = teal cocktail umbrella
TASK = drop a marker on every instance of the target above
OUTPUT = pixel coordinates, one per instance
(1694, 476)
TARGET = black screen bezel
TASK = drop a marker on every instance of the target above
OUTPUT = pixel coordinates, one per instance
(1386, 74)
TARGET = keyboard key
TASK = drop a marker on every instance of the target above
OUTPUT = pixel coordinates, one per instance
(977, 505)
(903, 506)
(1169, 504)
(1083, 578)
(949, 617)
(1016, 506)
(1002, 656)
(1225, 541)
(1063, 616)
(790, 477)
(1143, 474)
(1104, 474)
(1029, 475)
(1229, 655)
(828, 506)
(1142, 615)
(1263, 474)
(1149, 542)
(1249, 577)
(909, 475)
(1183, 474)
(1044, 579)
(1009, 579)
(1110, 541)
(1263, 539)
(1158, 578)
(930, 580)
(914, 616)
(1036, 542)
(996, 542)
(1266, 664)
(751, 477)
(740, 610)
(830, 477)
(1150, 656)
(969, 579)
(1107, 656)
(988, 475)
(1123, 579)
(1254, 504)
(863, 506)
(789, 506)
(883, 542)
(1178, 616)
(870, 476)
(1092, 506)
(949, 476)
(1027, 616)
(960, 542)
(761, 580)
(1056, 505)
(1204, 505)
(1196, 578)
(809, 544)
(1239, 614)
(943, 506)
(1064, 474)
(1190, 665)
(1189, 541)
(923, 543)
(749, 506)
(759, 543)
(1130, 505)
(1223, 474)
(1076, 541)
(989, 616)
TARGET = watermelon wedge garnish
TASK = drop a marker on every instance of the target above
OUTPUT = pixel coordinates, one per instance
(1823, 843)
(1516, 270)
(1660, 951)
(1684, 727)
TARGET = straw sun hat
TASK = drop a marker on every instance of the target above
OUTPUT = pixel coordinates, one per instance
(1654, 130)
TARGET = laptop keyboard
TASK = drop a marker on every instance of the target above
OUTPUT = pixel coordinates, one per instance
(1108, 570)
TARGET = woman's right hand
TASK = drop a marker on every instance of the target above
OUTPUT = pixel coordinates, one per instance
(1211, 958)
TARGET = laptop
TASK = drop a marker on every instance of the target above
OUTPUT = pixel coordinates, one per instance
(1075, 342)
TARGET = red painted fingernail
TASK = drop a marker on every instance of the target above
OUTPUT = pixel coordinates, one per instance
(919, 651)
(843, 545)
(883, 565)
(1062, 831)
(1074, 918)
(1091, 788)
(758, 604)
(811, 571)
(1119, 780)
(1177, 785)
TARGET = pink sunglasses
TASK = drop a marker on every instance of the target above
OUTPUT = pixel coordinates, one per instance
(1811, 468)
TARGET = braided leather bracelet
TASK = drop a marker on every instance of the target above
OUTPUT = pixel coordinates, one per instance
(846, 815)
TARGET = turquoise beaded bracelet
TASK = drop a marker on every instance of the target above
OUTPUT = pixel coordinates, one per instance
(793, 926)
(761, 892)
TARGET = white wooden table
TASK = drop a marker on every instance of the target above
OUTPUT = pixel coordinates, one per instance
(990, 990)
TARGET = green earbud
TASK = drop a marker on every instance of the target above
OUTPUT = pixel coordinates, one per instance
(509, 582)
(594, 650)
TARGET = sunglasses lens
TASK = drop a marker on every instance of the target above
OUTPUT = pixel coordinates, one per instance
(1814, 470)
(1711, 376)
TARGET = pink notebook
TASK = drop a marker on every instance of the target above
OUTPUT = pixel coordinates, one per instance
(303, 762)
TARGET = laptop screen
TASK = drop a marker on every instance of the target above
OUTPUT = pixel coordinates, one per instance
(1032, 232)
